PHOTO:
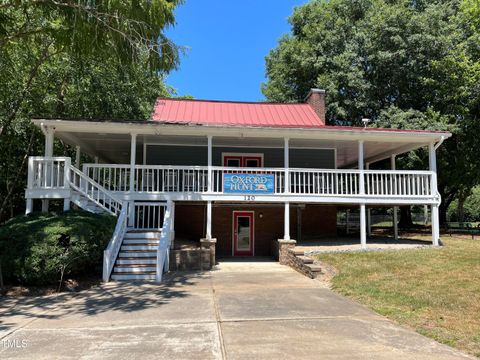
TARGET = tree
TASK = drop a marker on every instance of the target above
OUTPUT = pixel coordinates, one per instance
(112, 29)
(71, 88)
(407, 64)
(470, 210)
(75, 59)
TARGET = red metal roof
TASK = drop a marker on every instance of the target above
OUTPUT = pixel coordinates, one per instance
(207, 112)
(260, 114)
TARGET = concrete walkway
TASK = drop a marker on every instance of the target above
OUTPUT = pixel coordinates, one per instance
(258, 310)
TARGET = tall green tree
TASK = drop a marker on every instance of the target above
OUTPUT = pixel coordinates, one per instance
(75, 59)
(115, 30)
(403, 63)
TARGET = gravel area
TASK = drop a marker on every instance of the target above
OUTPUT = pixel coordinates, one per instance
(312, 247)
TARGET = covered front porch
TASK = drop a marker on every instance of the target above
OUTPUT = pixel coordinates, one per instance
(138, 163)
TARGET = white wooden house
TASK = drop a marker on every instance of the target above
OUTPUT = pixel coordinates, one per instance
(230, 171)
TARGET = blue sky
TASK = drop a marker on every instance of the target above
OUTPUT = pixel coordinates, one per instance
(227, 42)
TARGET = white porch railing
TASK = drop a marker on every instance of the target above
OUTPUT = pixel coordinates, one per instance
(315, 182)
(398, 183)
(57, 173)
(93, 191)
(324, 182)
(113, 177)
(151, 178)
(99, 180)
(163, 250)
(111, 252)
(47, 172)
(149, 215)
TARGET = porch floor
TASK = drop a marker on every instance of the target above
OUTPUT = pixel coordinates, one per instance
(347, 244)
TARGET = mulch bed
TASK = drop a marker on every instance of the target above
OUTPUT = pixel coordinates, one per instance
(69, 285)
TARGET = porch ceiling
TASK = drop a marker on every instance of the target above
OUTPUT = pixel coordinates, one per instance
(115, 148)
(110, 141)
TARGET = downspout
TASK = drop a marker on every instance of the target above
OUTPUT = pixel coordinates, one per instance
(42, 127)
(442, 139)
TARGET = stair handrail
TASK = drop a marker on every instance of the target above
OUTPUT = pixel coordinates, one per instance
(111, 252)
(163, 250)
(111, 204)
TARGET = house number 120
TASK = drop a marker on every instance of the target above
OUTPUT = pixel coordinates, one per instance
(249, 197)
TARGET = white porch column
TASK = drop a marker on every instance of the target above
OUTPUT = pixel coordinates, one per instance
(395, 208)
(209, 163)
(66, 204)
(435, 226)
(208, 234)
(133, 155)
(44, 205)
(29, 204)
(77, 156)
(363, 227)
(95, 169)
(29, 207)
(172, 228)
(369, 211)
(360, 168)
(432, 160)
(49, 139)
(286, 165)
(66, 181)
(286, 222)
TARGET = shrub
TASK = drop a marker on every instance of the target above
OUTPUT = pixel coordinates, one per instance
(34, 248)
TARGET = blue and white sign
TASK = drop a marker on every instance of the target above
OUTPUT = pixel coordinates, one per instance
(249, 183)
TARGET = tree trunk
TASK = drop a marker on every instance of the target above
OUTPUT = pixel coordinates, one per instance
(447, 198)
(405, 217)
(460, 209)
(18, 175)
(442, 213)
(1, 276)
(23, 94)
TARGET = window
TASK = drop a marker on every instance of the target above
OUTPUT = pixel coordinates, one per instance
(248, 162)
(232, 161)
(242, 160)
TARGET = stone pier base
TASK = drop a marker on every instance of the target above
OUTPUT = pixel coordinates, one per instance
(283, 247)
(209, 244)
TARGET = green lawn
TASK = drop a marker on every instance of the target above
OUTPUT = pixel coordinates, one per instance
(434, 291)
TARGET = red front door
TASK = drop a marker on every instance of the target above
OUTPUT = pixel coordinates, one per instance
(243, 233)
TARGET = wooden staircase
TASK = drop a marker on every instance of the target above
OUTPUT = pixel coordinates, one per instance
(85, 203)
(137, 257)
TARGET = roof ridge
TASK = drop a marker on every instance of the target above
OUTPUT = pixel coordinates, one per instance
(234, 101)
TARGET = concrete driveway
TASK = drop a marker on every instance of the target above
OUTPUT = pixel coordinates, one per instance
(258, 310)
